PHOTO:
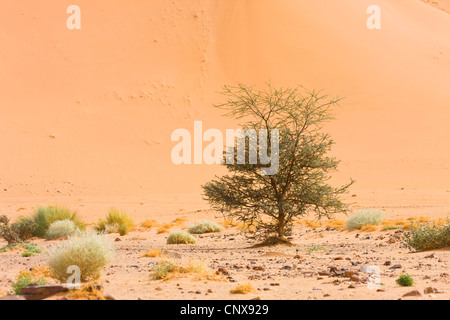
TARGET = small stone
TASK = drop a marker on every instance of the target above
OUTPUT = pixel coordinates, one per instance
(259, 268)
(414, 293)
(387, 263)
(381, 290)
(118, 239)
(430, 290)
(351, 286)
(397, 266)
(356, 279)
(349, 274)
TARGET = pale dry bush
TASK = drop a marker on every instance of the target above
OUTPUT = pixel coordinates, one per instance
(61, 229)
(181, 237)
(89, 252)
(365, 217)
(205, 227)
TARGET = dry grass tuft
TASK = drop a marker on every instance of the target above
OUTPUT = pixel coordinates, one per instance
(116, 222)
(365, 217)
(166, 269)
(152, 253)
(243, 289)
(149, 224)
(228, 224)
(165, 228)
(87, 291)
(369, 228)
(181, 237)
(337, 224)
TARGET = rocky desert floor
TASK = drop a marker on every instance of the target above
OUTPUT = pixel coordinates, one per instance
(325, 262)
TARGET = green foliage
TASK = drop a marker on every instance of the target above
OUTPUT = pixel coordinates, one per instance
(20, 231)
(61, 229)
(204, 227)
(116, 222)
(405, 280)
(427, 237)
(365, 217)
(25, 280)
(387, 228)
(316, 248)
(269, 203)
(45, 216)
(181, 237)
(31, 250)
(89, 252)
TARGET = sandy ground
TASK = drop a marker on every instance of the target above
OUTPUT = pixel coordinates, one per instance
(286, 273)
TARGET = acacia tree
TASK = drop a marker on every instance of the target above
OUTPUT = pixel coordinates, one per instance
(268, 204)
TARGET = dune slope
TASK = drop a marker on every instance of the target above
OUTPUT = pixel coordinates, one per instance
(91, 111)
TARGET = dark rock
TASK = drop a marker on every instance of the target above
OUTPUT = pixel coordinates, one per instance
(397, 266)
(37, 292)
(414, 293)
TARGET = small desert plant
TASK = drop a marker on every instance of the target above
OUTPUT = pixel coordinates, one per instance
(116, 222)
(165, 268)
(20, 231)
(61, 229)
(180, 237)
(31, 250)
(243, 289)
(205, 227)
(24, 279)
(365, 217)
(405, 280)
(89, 252)
(44, 217)
(152, 253)
(428, 237)
(149, 224)
(316, 248)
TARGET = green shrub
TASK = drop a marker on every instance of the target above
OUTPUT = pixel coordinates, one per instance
(31, 250)
(61, 229)
(116, 222)
(427, 237)
(405, 280)
(204, 227)
(89, 252)
(24, 280)
(45, 216)
(20, 231)
(365, 217)
(180, 237)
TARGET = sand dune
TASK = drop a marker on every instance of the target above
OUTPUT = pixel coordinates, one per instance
(90, 111)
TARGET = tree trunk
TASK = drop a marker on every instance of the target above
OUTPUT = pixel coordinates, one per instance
(281, 223)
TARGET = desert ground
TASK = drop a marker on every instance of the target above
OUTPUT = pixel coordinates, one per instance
(278, 272)
(86, 118)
